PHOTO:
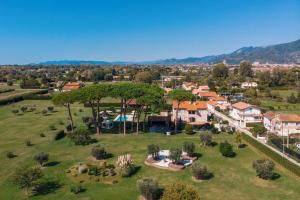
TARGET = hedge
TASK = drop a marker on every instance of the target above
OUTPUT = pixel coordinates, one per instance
(105, 105)
(21, 97)
(37, 97)
(6, 90)
(278, 143)
(278, 158)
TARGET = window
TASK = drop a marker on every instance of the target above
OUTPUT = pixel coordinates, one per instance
(191, 112)
(192, 119)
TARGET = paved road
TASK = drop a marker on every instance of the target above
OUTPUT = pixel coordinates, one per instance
(232, 123)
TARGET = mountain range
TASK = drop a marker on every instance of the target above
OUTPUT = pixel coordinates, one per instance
(280, 53)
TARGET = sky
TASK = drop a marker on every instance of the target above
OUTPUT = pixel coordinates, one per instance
(33, 31)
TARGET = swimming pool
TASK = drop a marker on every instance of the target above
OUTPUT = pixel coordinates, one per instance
(123, 118)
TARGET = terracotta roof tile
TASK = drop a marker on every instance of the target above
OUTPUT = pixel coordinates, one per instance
(241, 105)
(188, 105)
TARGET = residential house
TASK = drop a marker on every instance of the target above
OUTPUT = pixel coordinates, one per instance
(72, 86)
(201, 88)
(188, 86)
(246, 85)
(194, 113)
(282, 124)
(244, 113)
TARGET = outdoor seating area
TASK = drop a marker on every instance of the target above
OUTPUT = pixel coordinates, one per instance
(163, 161)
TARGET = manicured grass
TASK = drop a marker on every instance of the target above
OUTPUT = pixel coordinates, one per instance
(233, 178)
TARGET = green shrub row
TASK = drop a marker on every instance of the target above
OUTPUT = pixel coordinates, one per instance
(6, 90)
(279, 159)
(37, 97)
(20, 97)
(106, 105)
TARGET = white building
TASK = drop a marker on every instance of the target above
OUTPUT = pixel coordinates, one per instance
(244, 113)
(282, 124)
(194, 113)
(246, 85)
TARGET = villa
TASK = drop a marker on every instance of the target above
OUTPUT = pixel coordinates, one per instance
(71, 86)
(282, 124)
(246, 85)
(201, 88)
(194, 113)
(244, 113)
(188, 86)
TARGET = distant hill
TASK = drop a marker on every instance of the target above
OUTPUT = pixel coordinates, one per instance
(280, 53)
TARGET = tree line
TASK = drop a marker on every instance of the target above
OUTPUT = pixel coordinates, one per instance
(145, 97)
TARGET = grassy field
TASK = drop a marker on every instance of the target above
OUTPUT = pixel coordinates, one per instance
(233, 178)
(11, 94)
(281, 106)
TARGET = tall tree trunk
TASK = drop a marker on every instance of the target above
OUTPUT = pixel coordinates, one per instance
(70, 117)
(138, 122)
(176, 116)
(144, 121)
(120, 115)
(132, 123)
(98, 117)
(94, 115)
(125, 109)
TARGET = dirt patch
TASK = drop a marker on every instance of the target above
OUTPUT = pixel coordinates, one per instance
(263, 183)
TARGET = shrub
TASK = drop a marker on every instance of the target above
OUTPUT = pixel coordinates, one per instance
(258, 129)
(175, 156)
(180, 191)
(81, 137)
(76, 189)
(188, 129)
(52, 127)
(50, 108)
(10, 155)
(149, 189)
(153, 150)
(61, 122)
(189, 148)
(99, 152)
(264, 168)
(42, 135)
(15, 111)
(129, 170)
(27, 177)
(199, 171)
(44, 112)
(206, 139)
(41, 158)
(226, 149)
(60, 135)
(24, 108)
(214, 130)
(80, 110)
(28, 143)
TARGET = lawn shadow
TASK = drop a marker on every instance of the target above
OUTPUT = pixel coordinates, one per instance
(46, 187)
(213, 144)
(198, 155)
(276, 176)
(241, 146)
(52, 164)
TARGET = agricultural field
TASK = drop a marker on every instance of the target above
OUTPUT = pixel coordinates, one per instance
(234, 178)
(282, 105)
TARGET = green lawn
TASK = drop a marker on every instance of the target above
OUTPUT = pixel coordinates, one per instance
(233, 178)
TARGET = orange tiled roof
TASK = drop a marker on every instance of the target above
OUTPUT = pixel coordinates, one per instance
(283, 117)
(289, 117)
(71, 86)
(203, 87)
(218, 98)
(208, 94)
(188, 105)
(242, 105)
(269, 115)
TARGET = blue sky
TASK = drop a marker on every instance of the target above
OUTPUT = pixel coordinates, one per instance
(135, 30)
